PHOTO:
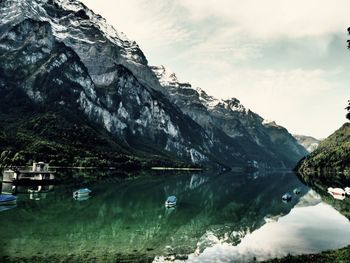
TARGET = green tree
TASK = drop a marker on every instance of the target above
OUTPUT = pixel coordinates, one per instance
(348, 109)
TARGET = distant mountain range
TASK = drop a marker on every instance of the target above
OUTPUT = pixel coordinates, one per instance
(238, 131)
(74, 91)
(309, 143)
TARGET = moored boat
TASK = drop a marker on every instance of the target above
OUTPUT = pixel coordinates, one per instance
(337, 193)
(82, 192)
(8, 199)
(347, 190)
(171, 201)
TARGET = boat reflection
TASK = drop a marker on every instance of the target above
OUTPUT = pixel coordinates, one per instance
(36, 192)
(7, 207)
(8, 188)
(82, 198)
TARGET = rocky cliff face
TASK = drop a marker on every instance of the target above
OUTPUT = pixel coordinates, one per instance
(229, 123)
(60, 54)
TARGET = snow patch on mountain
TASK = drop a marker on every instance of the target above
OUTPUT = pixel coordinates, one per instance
(168, 79)
(165, 75)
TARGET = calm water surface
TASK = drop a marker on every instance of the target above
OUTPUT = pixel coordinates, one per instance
(219, 218)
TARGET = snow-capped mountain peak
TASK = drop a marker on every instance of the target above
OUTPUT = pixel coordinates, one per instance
(165, 75)
(98, 44)
(213, 103)
(64, 23)
(169, 80)
(233, 104)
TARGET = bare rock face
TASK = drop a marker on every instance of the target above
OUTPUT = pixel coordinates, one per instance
(98, 44)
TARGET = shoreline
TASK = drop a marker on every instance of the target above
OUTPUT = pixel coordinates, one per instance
(329, 256)
(157, 168)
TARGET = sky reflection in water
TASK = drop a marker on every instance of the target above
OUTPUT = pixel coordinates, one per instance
(310, 227)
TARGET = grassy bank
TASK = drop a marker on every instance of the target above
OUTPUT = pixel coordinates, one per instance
(339, 255)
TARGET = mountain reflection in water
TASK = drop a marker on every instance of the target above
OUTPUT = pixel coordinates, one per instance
(127, 217)
(310, 227)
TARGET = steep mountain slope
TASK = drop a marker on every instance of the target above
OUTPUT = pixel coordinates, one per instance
(61, 58)
(309, 143)
(46, 50)
(230, 123)
(333, 154)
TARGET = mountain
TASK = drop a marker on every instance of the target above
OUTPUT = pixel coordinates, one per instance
(229, 123)
(333, 154)
(59, 55)
(308, 142)
(75, 91)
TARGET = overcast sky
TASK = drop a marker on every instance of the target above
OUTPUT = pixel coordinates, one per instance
(285, 60)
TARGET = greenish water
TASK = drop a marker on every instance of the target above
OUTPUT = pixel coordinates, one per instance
(127, 217)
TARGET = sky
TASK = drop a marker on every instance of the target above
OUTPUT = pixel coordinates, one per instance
(285, 60)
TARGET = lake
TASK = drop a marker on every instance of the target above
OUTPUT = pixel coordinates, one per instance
(232, 217)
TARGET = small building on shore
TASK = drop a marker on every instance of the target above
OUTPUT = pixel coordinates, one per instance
(38, 172)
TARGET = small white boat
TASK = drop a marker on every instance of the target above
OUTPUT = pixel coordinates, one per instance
(337, 193)
(82, 192)
(8, 200)
(171, 201)
(347, 190)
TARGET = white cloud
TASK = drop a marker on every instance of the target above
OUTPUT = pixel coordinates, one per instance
(152, 24)
(224, 43)
(275, 18)
(271, 82)
(273, 93)
(229, 28)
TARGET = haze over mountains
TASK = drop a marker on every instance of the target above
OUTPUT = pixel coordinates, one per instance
(310, 143)
(65, 72)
